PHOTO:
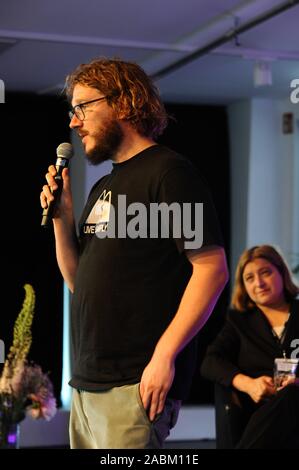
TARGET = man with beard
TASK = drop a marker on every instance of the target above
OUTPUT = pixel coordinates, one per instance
(138, 302)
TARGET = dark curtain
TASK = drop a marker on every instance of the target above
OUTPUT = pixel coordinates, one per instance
(201, 134)
(31, 129)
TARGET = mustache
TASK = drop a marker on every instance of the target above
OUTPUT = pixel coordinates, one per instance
(82, 134)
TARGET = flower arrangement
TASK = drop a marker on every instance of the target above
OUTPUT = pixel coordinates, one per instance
(24, 388)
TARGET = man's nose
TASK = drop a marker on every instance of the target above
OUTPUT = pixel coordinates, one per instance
(75, 122)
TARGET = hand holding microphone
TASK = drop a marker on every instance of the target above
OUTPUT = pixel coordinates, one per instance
(58, 181)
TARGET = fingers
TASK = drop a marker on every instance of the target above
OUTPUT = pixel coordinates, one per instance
(153, 402)
(145, 397)
(157, 405)
(287, 381)
(43, 200)
(52, 170)
(268, 380)
(268, 386)
(66, 179)
(50, 177)
(154, 406)
(46, 195)
(150, 402)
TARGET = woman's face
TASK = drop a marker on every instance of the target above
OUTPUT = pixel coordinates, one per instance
(263, 283)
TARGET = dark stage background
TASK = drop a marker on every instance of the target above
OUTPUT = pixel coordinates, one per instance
(31, 129)
(201, 134)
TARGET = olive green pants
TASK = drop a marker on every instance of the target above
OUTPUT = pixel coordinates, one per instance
(116, 419)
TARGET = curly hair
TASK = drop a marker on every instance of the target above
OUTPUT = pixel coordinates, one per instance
(128, 89)
(240, 299)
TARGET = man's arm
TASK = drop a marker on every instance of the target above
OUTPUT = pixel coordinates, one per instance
(205, 285)
(67, 252)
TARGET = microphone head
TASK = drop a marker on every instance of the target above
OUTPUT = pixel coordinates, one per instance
(65, 150)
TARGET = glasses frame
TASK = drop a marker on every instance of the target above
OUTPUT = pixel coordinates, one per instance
(79, 108)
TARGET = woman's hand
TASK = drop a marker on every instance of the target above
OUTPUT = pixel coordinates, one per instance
(257, 389)
(287, 381)
(260, 388)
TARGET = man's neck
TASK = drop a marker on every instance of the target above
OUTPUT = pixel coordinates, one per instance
(132, 144)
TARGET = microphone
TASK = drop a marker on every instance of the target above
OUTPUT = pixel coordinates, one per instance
(64, 154)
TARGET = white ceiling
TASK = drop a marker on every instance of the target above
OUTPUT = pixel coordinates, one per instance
(41, 41)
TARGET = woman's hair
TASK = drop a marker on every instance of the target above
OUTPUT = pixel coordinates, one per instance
(129, 91)
(240, 299)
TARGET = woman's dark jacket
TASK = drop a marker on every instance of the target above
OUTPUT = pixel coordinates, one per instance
(247, 345)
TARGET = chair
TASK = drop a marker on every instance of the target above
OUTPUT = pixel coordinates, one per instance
(231, 417)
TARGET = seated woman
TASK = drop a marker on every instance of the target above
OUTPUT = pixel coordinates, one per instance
(262, 325)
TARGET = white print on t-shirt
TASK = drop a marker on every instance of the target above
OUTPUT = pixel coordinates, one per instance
(178, 221)
(99, 216)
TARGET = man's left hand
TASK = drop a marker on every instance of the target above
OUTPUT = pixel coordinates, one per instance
(155, 383)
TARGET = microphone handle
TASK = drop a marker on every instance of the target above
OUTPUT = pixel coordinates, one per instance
(48, 212)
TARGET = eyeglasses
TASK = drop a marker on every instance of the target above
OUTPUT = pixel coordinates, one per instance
(78, 110)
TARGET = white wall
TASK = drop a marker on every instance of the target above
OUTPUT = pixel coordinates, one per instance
(264, 176)
(239, 117)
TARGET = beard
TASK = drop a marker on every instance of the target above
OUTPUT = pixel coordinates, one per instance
(108, 140)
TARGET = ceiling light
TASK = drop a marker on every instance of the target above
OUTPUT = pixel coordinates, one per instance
(262, 73)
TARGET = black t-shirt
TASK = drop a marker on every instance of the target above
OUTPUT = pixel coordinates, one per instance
(128, 287)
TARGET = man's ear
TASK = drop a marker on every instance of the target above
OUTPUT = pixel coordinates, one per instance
(121, 111)
(117, 107)
(120, 114)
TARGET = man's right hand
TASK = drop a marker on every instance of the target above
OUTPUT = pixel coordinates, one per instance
(67, 250)
(65, 206)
